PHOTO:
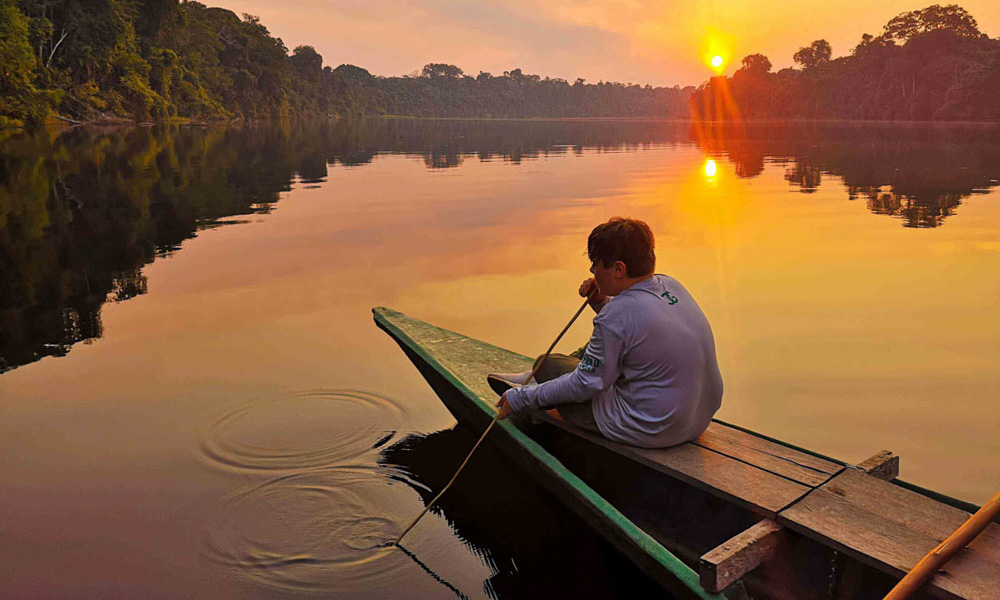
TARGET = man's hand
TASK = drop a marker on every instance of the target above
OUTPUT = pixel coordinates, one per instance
(504, 408)
(590, 291)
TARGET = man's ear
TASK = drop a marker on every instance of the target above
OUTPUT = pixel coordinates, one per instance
(620, 269)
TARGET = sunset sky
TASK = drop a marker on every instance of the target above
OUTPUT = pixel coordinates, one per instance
(637, 41)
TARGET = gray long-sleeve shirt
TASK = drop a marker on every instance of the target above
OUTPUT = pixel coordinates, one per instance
(650, 369)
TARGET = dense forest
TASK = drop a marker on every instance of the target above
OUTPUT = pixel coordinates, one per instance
(156, 60)
(142, 60)
(930, 64)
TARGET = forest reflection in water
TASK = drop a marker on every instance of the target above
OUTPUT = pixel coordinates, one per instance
(525, 535)
(82, 211)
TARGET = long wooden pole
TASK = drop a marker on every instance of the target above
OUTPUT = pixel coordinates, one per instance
(538, 364)
(929, 565)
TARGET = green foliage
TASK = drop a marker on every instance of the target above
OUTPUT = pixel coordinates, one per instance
(444, 91)
(20, 101)
(15, 53)
(148, 59)
(306, 63)
(158, 59)
(352, 73)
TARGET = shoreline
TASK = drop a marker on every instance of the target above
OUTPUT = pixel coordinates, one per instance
(58, 121)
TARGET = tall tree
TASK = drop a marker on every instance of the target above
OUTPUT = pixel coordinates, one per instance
(951, 17)
(441, 71)
(306, 62)
(755, 64)
(813, 55)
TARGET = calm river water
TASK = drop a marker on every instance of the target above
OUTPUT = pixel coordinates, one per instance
(194, 401)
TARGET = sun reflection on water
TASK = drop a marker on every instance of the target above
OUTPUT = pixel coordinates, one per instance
(710, 169)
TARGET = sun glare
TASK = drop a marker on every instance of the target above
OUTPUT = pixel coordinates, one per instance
(717, 49)
(710, 168)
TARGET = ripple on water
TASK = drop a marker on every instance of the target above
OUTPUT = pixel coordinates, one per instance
(302, 431)
(317, 531)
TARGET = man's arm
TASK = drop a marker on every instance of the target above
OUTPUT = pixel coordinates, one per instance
(598, 371)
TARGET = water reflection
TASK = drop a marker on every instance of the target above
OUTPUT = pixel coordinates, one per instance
(711, 168)
(917, 173)
(523, 534)
(82, 211)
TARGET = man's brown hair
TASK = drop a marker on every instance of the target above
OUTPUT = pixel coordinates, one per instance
(625, 239)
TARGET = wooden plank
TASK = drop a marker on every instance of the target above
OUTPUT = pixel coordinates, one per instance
(775, 449)
(891, 528)
(733, 559)
(780, 460)
(884, 465)
(745, 485)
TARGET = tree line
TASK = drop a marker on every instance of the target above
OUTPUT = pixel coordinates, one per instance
(929, 64)
(153, 60)
(145, 60)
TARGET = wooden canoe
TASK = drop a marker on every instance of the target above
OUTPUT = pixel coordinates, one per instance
(733, 514)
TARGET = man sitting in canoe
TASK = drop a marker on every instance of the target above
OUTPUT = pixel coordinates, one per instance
(649, 375)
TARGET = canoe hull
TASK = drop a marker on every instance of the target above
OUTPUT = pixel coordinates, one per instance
(471, 411)
(655, 517)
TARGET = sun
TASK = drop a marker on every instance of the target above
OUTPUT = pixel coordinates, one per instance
(717, 49)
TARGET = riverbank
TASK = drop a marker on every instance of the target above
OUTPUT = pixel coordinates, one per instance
(59, 121)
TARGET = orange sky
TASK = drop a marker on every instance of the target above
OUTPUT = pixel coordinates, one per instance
(638, 41)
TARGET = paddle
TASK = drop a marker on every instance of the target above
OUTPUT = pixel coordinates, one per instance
(492, 423)
(936, 558)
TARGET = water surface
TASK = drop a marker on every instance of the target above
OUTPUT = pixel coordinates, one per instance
(196, 403)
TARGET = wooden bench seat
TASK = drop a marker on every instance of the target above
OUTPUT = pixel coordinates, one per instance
(741, 482)
(767, 455)
(892, 528)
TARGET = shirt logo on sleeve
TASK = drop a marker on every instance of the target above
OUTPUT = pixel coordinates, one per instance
(670, 298)
(589, 363)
